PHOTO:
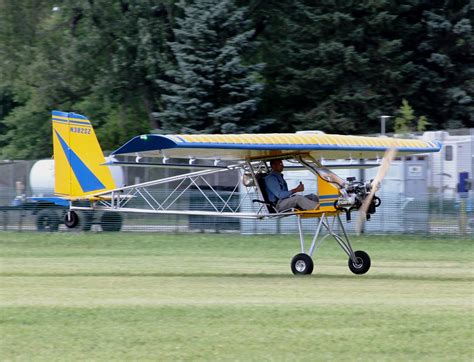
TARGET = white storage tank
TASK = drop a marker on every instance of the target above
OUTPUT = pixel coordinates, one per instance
(42, 177)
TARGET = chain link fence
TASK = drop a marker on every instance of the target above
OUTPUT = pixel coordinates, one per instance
(425, 213)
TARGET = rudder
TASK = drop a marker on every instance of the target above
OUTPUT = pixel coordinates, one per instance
(79, 160)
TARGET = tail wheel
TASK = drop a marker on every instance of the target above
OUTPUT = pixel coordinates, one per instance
(302, 264)
(362, 264)
(71, 219)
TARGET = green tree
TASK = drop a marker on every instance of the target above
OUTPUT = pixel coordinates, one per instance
(20, 29)
(213, 88)
(99, 58)
(132, 66)
(406, 121)
(441, 45)
(335, 65)
(130, 43)
(403, 122)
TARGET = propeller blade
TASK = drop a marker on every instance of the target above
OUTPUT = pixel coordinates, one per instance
(382, 172)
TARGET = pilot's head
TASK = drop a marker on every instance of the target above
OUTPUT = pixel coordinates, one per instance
(277, 165)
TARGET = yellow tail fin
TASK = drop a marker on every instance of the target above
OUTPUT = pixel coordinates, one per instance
(78, 157)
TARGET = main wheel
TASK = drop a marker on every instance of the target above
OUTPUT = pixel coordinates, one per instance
(47, 220)
(302, 264)
(363, 262)
(71, 219)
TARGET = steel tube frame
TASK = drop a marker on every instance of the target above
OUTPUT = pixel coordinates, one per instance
(344, 243)
(117, 199)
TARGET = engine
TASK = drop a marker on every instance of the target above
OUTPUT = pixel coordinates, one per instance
(352, 196)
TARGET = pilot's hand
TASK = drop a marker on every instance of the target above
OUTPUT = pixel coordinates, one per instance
(299, 188)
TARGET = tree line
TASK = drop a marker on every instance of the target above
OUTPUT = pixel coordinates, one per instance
(231, 66)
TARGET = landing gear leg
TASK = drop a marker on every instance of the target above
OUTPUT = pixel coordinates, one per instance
(359, 261)
(302, 263)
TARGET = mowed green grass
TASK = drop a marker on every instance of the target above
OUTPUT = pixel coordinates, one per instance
(127, 296)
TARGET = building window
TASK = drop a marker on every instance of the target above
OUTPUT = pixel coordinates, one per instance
(448, 153)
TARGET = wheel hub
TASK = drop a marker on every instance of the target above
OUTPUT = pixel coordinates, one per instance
(358, 264)
(300, 266)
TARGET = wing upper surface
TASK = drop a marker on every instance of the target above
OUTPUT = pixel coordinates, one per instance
(247, 146)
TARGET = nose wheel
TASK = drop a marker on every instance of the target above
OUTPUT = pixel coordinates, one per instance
(362, 264)
(302, 264)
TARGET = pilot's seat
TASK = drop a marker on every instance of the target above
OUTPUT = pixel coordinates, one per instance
(271, 206)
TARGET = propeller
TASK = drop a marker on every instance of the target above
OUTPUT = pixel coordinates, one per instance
(383, 169)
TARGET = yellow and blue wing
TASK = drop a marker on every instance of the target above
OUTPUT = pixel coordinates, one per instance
(254, 146)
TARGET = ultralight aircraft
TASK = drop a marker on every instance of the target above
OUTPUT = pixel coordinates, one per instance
(82, 178)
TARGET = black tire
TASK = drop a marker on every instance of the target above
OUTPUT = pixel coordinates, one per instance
(111, 221)
(47, 220)
(363, 263)
(71, 219)
(86, 219)
(302, 264)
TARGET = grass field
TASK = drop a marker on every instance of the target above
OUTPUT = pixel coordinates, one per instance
(73, 296)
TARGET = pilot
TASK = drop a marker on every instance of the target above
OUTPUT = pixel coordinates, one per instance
(279, 195)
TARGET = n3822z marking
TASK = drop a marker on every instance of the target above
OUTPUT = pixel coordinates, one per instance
(81, 130)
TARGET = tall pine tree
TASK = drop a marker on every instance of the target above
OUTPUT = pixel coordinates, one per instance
(440, 40)
(212, 89)
(333, 64)
(338, 65)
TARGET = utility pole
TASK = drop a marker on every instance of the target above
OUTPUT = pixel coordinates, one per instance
(383, 120)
